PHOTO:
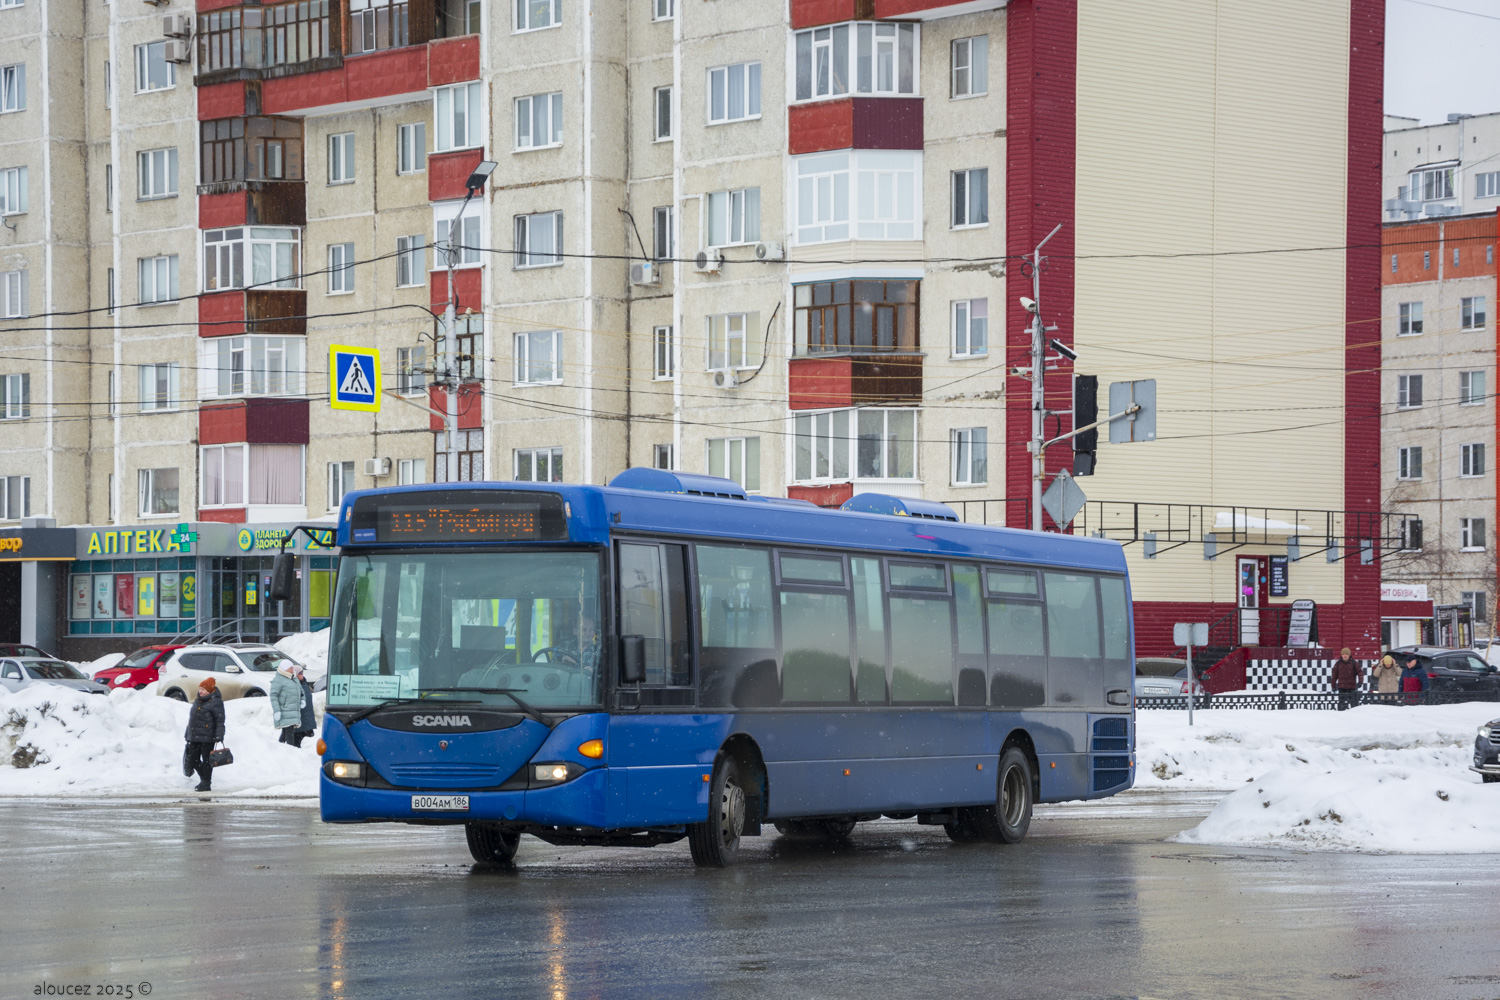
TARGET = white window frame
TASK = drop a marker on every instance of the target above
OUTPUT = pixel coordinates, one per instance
(14, 197)
(1411, 531)
(252, 365)
(156, 174)
(664, 456)
(872, 48)
(664, 232)
(1472, 388)
(1470, 529)
(411, 148)
(967, 327)
(730, 341)
(1471, 461)
(538, 357)
(470, 235)
(411, 376)
(156, 279)
(144, 67)
(11, 4)
(12, 88)
(1472, 312)
(1409, 319)
(15, 396)
(14, 292)
(1408, 392)
(341, 158)
(15, 497)
(823, 197)
(146, 486)
(340, 268)
(737, 458)
(970, 453)
(159, 387)
(458, 116)
(736, 216)
(243, 248)
(822, 447)
(411, 261)
(1435, 184)
(864, 194)
(661, 114)
(526, 228)
(1409, 463)
(526, 11)
(663, 354)
(663, 10)
(554, 459)
(967, 219)
(746, 76)
(969, 61)
(1487, 185)
(411, 471)
(535, 111)
(208, 496)
(340, 481)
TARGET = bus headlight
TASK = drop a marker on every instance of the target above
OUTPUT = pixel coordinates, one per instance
(553, 773)
(347, 772)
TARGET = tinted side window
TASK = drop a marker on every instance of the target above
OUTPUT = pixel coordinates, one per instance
(1018, 654)
(197, 661)
(737, 626)
(1074, 641)
(11, 672)
(815, 663)
(653, 604)
(921, 634)
(968, 609)
(869, 630)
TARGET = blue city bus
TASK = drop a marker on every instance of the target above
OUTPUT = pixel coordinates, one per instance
(667, 657)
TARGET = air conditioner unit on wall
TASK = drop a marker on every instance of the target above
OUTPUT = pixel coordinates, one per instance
(177, 50)
(726, 380)
(708, 261)
(645, 273)
(176, 25)
(770, 251)
(377, 467)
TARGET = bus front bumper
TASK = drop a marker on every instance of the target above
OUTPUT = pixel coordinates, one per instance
(580, 802)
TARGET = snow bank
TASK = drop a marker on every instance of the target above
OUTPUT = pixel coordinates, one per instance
(1226, 748)
(92, 667)
(55, 741)
(309, 649)
(1369, 809)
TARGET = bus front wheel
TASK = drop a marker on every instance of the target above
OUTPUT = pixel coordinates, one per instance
(489, 844)
(1012, 814)
(716, 842)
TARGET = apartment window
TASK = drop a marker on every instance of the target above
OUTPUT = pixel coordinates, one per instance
(340, 481)
(253, 366)
(13, 194)
(12, 88)
(1408, 391)
(341, 158)
(539, 357)
(109, 187)
(1471, 388)
(109, 288)
(1471, 533)
(15, 497)
(733, 92)
(159, 387)
(1409, 462)
(663, 105)
(264, 37)
(458, 17)
(823, 197)
(466, 245)
(273, 254)
(411, 260)
(469, 344)
(970, 456)
(15, 397)
(539, 121)
(882, 445)
(822, 449)
(534, 14)
(152, 71)
(1471, 311)
(733, 217)
(971, 197)
(663, 10)
(841, 317)
(410, 471)
(156, 171)
(411, 148)
(882, 187)
(13, 289)
(411, 375)
(1432, 185)
(728, 346)
(255, 149)
(664, 232)
(1410, 319)
(1427, 260)
(737, 459)
(863, 57)
(1455, 256)
(469, 454)
(340, 268)
(7, 4)
(158, 278)
(158, 492)
(1411, 534)
(1489, 254)
(886, 444)
(539, 465)
(1487, 185)
(1475, 599)
(223, 468)
(971, 328)
(456, 112)
(663, 456)
(970, 66)
(1393, 263)
(1471, 460)
(109, 85)
(539, 239)
(375, 25)
(662, 365)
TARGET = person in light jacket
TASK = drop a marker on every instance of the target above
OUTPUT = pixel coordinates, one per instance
(286, 703)
(205, 728)
(309, 720)
(1387, 675)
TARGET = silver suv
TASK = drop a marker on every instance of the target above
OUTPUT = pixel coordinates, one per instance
(239, 670)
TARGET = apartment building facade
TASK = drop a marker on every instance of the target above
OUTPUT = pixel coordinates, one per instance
(779, 242)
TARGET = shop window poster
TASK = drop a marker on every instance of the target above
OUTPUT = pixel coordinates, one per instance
(124, 595)
(166, 595)
(83, 594)
(188, 589)
(145, 595)
(103, 599)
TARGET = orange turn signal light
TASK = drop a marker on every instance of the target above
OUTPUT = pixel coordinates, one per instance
(322, 748)
(592, 748)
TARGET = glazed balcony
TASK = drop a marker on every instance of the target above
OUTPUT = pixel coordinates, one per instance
(808, 13)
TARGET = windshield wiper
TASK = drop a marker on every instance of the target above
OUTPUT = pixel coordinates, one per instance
(372, 709)
(509, 693)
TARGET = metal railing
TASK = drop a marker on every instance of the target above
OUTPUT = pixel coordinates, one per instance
(996, 512)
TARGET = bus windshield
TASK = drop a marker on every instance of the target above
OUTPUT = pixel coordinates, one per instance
(411, 625)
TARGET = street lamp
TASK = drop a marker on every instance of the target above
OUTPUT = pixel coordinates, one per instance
(450, 340)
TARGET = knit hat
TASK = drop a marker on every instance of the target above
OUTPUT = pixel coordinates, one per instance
(207, 684)
(1344, 652)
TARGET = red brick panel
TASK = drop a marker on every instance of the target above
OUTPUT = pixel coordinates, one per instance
(204, 6)
(226, 515)
(1406, 609)
(452, 60)
(820, 383)
(906, 8)
(822, 125)
(222, 424)
(470, 408)
(1470, 237)
(888, 123)
(278, 421)
(447, 172)
(221, 100)
(1408, 243)
(468, 288)
(832, 495)
(386, 74)
(809, 13)
(221, 314)
(215, 211)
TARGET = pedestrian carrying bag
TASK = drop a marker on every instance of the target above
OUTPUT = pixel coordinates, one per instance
(220, 756)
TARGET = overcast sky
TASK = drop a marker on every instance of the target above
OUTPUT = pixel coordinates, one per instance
(1441, 57)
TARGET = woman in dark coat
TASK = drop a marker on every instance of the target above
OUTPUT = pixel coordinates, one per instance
(205, 728)
(309, 716)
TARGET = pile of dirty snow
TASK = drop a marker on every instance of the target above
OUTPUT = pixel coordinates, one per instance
(1226, 748)
(1369, 809)
(55, 741)
(309, 649)
(91, 667)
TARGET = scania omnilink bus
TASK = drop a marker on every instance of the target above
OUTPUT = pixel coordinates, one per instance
(667, 657)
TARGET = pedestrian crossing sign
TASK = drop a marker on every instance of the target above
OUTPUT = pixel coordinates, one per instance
(353, 378)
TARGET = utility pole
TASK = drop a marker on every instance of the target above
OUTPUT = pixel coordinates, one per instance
(450, 322)
(1038, 383)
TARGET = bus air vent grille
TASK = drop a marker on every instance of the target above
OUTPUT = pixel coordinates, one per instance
(476, 774)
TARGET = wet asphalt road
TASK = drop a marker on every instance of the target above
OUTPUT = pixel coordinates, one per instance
(218, 900)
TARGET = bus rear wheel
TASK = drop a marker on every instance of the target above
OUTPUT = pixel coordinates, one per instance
(716, 842)
(490, 844)
(1011, 817)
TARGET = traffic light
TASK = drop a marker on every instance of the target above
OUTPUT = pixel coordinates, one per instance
(1085, 412)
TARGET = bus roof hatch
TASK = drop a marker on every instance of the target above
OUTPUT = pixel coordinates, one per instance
(692, 484)
(881, 503)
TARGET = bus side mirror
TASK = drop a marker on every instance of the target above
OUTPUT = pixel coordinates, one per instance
(281, 577)
(632, 659)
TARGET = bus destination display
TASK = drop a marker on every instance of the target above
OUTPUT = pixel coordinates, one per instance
(509, 522)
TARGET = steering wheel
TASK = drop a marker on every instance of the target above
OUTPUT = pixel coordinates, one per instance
(569, 658)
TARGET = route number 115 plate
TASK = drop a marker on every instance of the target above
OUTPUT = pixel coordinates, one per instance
(440, 803)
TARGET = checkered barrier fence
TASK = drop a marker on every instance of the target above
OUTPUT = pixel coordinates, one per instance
(1298, 675)
(1316, 700)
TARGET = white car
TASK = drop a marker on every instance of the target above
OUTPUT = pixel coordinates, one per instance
(239, 670)
(17, 672)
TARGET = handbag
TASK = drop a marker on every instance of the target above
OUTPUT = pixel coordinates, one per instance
(220, 756)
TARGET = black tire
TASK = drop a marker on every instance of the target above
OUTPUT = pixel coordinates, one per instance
(715, 843)
(254, 693)
(491, 845)
(1490, 779)
(176, 695)
(836, 829)
(791, 827)
(1013, 798)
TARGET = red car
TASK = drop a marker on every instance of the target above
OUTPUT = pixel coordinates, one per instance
(138, 669)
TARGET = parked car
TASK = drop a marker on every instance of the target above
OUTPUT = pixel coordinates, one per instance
(1171, 686)
(22, 649)
(1458, 671)
(17, 672)
(239, 670)
(138, 669)
(1487, 751)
